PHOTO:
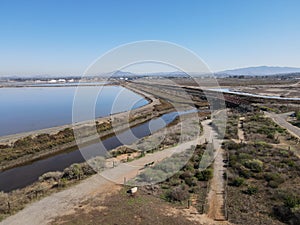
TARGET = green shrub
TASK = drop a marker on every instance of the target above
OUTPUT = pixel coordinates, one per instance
(164, 186)
(175, 181)
(244, 172)
(62, 182)
(245, 156)
(284, 153)
(298, 115)
(273, 184)
(191, 181)
(179, 193)
(273, 177)
(233, 160)
(204, 175)
(23, 142)
(230, 145)
(73, 172)
(254, 165)
(291, 163)
(251, 190)
(238, 181)
(262, 144)
(87, 170)
(291, 201)
(186, 174)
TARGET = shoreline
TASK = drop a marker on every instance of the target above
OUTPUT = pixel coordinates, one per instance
(11, 138)
(58, 84)
(147, 110)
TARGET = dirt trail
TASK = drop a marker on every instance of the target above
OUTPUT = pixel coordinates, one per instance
(215, 198)
(58, 204)
(216, 193)
(240, 132)
(193, 215)
(240, 129)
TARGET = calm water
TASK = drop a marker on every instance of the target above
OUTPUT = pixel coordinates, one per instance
(66, 84)
(24, 175)
(33, 108)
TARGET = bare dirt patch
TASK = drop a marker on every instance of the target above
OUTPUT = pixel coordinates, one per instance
(120, 208)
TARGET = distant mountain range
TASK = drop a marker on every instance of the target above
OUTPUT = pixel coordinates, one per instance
(260, 71)
(119, 73)
(248, 71)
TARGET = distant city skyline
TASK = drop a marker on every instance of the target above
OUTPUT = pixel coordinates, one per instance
(65, 37)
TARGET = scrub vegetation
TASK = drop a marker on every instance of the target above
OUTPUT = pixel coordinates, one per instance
(190, 182)
(263, 174)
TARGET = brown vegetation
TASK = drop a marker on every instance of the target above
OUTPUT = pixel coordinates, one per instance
(263, 175)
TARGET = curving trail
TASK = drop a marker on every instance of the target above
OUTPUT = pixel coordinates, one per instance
(58, 204)
(65, 202)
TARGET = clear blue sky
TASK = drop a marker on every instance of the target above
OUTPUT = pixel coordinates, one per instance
(64, 37)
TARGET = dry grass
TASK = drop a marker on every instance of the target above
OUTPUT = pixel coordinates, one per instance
(120, 208)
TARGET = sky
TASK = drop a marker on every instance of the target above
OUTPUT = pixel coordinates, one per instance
(60, 37)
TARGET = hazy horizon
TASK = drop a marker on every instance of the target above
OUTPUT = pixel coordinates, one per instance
(145, 73)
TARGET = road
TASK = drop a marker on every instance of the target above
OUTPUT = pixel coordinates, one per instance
(58, 204)
(281, 120)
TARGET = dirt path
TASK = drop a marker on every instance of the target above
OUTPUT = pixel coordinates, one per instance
(193, 215)
(215, 198)
(240, 132)
(217, 191)
(217, 185)
(240, 129)
(64, 202)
